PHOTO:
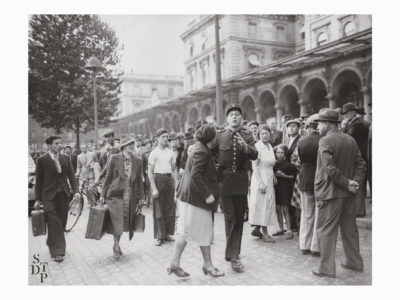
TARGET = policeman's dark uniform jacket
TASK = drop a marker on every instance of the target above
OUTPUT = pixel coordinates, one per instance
(232, 159)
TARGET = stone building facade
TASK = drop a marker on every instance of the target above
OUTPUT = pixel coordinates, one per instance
(272, 65)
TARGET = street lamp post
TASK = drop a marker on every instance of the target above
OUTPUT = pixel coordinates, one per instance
(95, 66)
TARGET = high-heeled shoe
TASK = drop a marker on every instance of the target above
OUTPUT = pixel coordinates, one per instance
(178, 271)
(268, 239)
(117, 253)
(214, 272)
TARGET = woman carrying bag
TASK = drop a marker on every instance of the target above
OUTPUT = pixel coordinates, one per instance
(198, 194)
(123, 191)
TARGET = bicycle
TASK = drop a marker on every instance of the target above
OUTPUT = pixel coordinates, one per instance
(76, 205)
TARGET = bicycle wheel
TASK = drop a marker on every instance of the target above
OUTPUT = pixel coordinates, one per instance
(74, 212)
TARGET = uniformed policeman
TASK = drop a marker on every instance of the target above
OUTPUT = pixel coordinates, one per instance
(235, 147)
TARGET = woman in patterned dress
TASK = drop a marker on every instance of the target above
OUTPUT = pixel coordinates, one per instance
(123, 191)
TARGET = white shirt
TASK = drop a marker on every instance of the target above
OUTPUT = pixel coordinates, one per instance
(57, 162)
(162, 160)
(53, 156)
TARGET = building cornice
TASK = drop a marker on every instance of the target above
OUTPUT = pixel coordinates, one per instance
(239, 39)
(197, 26)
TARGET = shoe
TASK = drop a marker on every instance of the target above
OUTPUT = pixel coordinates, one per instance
(315, 253)
(214, 272)
(289, 236)
(345, 266)
(318, 273)
(256, 232)
(237, 265)
(117, 250)
(305, 252)
(280, 232)
(58, 258)
(158, 242)
(169, 239)
(178, 271)
(267, 239)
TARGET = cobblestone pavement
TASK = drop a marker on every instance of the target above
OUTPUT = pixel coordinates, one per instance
(90, 262)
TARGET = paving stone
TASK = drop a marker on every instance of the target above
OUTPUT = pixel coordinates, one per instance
(90, 262)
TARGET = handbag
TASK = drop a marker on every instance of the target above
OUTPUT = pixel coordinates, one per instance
(38, 222)
(99, 218)
(139, 223)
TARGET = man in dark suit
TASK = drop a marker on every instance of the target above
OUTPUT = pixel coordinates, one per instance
(340, 170)
(54, 178)
(276, 134)
(307, 148)
(293, 128)
(235, 147)
(359, 130)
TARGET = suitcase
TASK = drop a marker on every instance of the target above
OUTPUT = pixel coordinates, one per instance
(38, 222)
(98, 220)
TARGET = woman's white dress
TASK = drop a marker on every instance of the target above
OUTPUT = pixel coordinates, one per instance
(262, 206)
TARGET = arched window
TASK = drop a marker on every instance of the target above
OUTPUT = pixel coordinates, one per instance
(322, 39)
(349, 28)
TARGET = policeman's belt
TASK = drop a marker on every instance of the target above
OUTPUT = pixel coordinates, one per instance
(233, 168)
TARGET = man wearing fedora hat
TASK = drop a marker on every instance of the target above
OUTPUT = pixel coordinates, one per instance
(235, 146)
(340, 170)
(359, 130)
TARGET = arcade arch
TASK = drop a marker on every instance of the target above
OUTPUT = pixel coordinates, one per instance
(248, 108)
(346, 87)
(288, 101)
(267, 105)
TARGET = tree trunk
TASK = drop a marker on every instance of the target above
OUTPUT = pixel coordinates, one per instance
(78, 125)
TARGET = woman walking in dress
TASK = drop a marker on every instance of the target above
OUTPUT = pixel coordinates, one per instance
(262, 211)
(198, 194)
(123, 190)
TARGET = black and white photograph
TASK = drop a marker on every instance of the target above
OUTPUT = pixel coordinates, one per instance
(193, 148)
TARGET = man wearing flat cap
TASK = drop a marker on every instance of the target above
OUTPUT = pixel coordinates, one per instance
(340, 171)
(359, 130)
(109, 148)
(292, 129)
(253, 126)
(189, 139)
(235, 146)
(307, 149)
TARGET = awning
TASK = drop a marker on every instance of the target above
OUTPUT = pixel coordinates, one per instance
(253, 60)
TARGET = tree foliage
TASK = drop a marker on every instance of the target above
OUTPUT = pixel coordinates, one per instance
(60, 88)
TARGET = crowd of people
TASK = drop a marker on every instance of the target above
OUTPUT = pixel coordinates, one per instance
(307, 177)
